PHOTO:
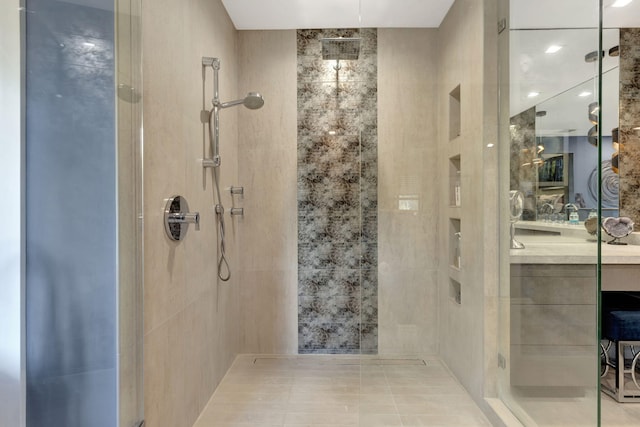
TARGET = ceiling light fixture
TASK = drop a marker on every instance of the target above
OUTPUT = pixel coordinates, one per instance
(584, 94)
(621, 3)
(533, 94)
(553, 48)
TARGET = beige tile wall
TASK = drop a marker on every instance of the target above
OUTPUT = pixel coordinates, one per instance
(464, 328)
(191, 320)
(268, 171)
(407, 162)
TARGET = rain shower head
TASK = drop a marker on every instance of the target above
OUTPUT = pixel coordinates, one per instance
(252, 101)
(339, 48)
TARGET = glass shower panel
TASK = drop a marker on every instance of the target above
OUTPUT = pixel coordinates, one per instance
(83, 203)
(71, 215)
(130, 249)
(620, 114)
(549, 287)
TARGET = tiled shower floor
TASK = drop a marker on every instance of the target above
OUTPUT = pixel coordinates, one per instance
(336, 391)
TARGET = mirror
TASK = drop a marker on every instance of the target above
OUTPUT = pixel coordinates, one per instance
(554, 112)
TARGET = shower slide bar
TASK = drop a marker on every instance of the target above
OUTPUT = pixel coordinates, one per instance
(252, 101)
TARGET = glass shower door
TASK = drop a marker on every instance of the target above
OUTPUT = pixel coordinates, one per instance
(83, 201)
(130, 226)
(549, 287)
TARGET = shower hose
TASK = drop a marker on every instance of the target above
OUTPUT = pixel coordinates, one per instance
(223, 264)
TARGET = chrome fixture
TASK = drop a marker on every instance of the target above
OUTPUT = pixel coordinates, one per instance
(252, 101)
(340, 48)
(237, 190)
(570, 206)
(236, 211)
(177, 218)
(570, 217)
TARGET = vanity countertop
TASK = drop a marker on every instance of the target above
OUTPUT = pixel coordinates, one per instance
(558, 249)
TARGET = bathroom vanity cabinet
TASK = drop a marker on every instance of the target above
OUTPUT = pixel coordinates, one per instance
(553, 310)
(553, 324)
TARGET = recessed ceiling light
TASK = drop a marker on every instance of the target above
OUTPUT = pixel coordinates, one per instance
(490, 145)
(585, 93)
(553, 48)
(533, 94)
(621, 3)
(88, 44)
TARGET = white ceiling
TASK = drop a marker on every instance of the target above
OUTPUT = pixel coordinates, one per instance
(559, 77)
(294, 14)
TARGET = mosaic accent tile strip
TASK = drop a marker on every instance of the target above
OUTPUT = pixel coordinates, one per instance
(629, 133)
(523, 137)
(337, 197)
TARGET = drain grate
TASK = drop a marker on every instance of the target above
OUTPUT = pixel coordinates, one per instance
(341, 361)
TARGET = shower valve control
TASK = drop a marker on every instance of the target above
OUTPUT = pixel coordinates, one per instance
(237, 211)
(237, 190)
(177, 218)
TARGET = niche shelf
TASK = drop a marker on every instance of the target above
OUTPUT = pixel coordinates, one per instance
(454, 113)
(454, 181)
(455, 291)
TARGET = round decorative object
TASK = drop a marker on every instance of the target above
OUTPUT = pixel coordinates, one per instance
(591, 224)
(610, 185)
(617, 228)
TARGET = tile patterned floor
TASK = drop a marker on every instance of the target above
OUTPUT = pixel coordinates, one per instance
(338, 391)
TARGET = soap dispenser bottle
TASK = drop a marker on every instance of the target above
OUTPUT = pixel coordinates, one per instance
(574, 219)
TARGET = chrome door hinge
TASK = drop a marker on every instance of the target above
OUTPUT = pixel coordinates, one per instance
(502, 25)
(502, 362)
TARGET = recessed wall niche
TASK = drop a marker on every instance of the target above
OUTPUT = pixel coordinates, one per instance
(454, 113)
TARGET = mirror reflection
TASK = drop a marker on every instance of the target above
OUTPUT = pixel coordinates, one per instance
(554, 125)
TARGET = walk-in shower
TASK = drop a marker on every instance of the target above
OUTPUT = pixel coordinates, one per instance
(252, 101)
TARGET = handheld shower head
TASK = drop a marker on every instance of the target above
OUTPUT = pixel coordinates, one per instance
(252, 101)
